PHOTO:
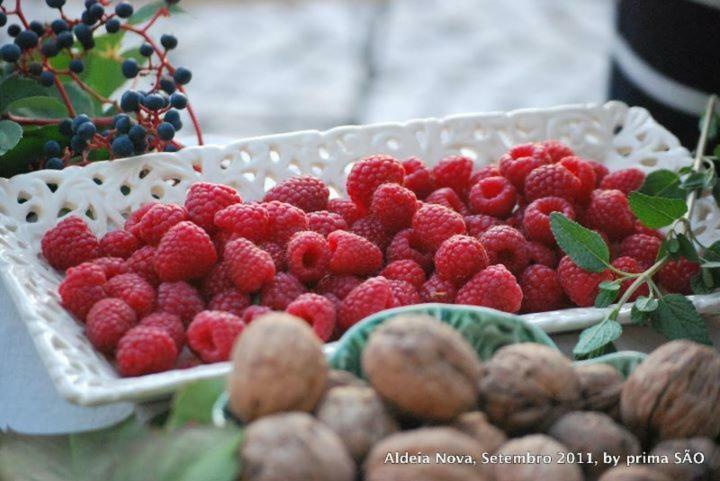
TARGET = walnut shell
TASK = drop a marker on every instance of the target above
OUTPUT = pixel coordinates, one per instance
(526, 387)
(597, 434)
(476, 425)
(293, 446)
(431, 442)
(538, 445)
(674, 393)
(633, 473)
(422, 367)
(600, 387)
(278, 365)
(708, 470)
(338, 377)
(358, 416)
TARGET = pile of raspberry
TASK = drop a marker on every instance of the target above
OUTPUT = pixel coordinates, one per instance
(178, 283)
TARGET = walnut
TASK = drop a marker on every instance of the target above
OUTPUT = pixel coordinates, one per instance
(708, 470)
(476, 425)
(338, 377)
(435, 450)
(422, 367)
(600, 386)
(527, 386)
(596, 434)
(633, 473)
(278, 365)
(291, 446)
(521, 469)
(358, 416)
(674, 393)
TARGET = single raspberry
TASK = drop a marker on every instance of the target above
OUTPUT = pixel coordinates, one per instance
(337, 286)
(454, 172)
(609, 212)
(536, 221)
(557, 150)
(352, 254)
(230, 301)
(158, 220)
(631, 266)
(170, 323)
(305, 192)
(181, 299)
(600, 170)
(625, 180)
(484, 172)
(248, 266)
(404, 293)
(447, 197)
(211, 335)
(479, 223)
(393, 205)
(369, 173)
(580, 285)
(82, 287)
(142, 262)
(433, 224)
(519, 161)
(138, 293)
(185, 252)
(285, 220)
(308, 256)
(418, 177)
(542, 254)
(676, 274)
(494, 196)
(405, 246)
(119, 243)
(131, 223)
(318, 311)
(113, 266)
(541, 289)
(253, 312)
(250, 221)
(69, 243)
(347, 209)
(493, 287)
(336, 303)
(324, 222)
(220, 239)
(277, 252)
(204, 200)
(551, 180)
(405, 270)
(642, 247)
(373, 295)
(507, 246)
(373, 230)
(281, 291)
(459, 258)
(145, 350)
(216, 281)
(107, 322)
(436, 289)
(585, 174)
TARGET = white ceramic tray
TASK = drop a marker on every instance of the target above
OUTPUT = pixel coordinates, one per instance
(105, 192)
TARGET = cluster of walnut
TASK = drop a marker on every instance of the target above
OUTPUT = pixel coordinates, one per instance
(429, 400)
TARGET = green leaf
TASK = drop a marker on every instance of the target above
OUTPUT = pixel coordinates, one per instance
(29, 149)
(146, 12)
(15, 88)
(80, 100)
(193, 403)
(10, 135)
(677, 318)
(607, 293)
(585, 247)
(663, 183)
(597, 337)
(646, 304)
(38, 107)
(699, 283)
(699, 180)
(624, 361)
(655, 212)
(686, 248)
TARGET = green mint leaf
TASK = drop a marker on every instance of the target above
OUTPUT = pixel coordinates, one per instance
(655, 212)
(699, 285)
(607, 293)
(194, 402)
(10, 135)
(686, 248)
(712, 252)
(597, 337)
(698, 180)
(646, 304)
(663, 183)
(638, 317)
(677, 318)
(38, 107)
(585, 247)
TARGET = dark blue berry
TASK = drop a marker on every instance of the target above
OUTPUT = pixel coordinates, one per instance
(182, 76)
(146, 50)
(90, 3)
(171, 116)
(10, 52)
(166, 131)
(14, 30)
(87, 18)
(65, 39)
(154, 102)
(47, 79)
(122, 123)
(52, 148)
(112, 25)
(55, 3)
(54, 163)
(168, 41)
(35, 68)
(96, 11)
(84, 35)
(3, 19)
(27, 39)
(49, 48)
(124, 10)
(78, 121)
(137, 133)
(130, 101)
(178, 100)
(65, 127)
(77, 144)
(86, 131)
(76, 65)
(167, 85)
(122, 146)
(59, 25)
(130, 68)
(37, 27)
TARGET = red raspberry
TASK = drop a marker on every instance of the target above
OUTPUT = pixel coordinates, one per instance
(479, 223)
(82, 288)
(541, 289)
(204, 200)
(185, 252)
(418, 177)
(250, 221)
(133, 219)
(557, 150)
(507, 246)
(113, 266)
(216, 281)
(493, 287)
(405, 246)
(305, 192)
(69, 243)
(520, 161)
(324, 222)
(644, 248)
(181, 299)
(542, 254)
(405, 270)
(138, 293)
(551, 180)
(580, 285)
(585, 174)
(600, 170)
(631, 266)
(454, 172)
(285, 220)
(158, 220)
(170, 323)
(373, 295)
(459, 258)
(253, 312)
(433, 224)
(536, 221)
(393, 205)
(248, 266)
(318, 311)
(346, 208)
(277, 252)
(230, 301)
(281, 291)
(142, 262)
(308, 256)
(484, 172)
(369, 173)
(119, 243)
(641, 229)
(337, 286)
(220, 240)
(404, 294)
(447, 197)
(352, 254)
(438, 290)
(107, 322)
(372, 229)
(626, 180)
(675, 275)
(609, 212)
(145, 350)
(516, 219)
(494, 196)
(211, 335)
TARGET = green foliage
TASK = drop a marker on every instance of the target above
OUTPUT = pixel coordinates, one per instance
(625, 361)
(596, 338)
(29, 148)
(585, 247)
(38, 107)
(10, 135)
(607, 293)
(193, 403)
(677, 318)
(655, 212)
(145, 13)
(663, 183)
